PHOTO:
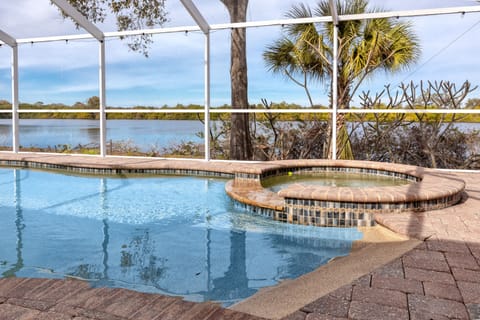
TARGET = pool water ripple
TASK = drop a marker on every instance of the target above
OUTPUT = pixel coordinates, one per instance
(172, 235)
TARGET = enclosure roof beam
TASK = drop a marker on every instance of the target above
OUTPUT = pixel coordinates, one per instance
(8, 39)
(79, 18)
(196, 15)
(410, 13)
(265, 23)
(364, 16)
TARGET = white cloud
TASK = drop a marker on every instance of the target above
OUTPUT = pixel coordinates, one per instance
(33, 18)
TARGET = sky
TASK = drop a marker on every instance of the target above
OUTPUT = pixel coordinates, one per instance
(67, 72)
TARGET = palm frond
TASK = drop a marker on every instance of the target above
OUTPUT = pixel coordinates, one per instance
(278, 56)
(365, 46)
(298, 11)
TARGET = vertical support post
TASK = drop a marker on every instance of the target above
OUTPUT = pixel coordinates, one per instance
(204, 26)
(334, 91)
(15, 123)
(207, 96)
(102, 98)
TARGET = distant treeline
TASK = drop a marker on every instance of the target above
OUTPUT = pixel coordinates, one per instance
(93, 104)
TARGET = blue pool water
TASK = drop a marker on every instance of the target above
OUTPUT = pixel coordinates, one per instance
(172, 235)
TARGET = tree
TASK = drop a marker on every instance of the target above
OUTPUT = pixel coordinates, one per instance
(422, 139)
(93, 102)
(364, 47)
(240, 140)
(140, 13)
(130, 15)
(473, 103)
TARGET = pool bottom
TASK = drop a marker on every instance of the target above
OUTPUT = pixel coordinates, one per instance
(177, 236)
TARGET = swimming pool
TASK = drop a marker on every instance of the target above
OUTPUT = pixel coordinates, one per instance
(173, 235)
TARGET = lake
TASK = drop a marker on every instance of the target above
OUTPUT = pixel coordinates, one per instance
(145, 134)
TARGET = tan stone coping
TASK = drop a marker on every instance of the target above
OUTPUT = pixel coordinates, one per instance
(254, 195)
(430, 187)
(26, 159)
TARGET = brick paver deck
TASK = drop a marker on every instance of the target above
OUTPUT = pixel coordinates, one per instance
(42, 299)
(439, 279)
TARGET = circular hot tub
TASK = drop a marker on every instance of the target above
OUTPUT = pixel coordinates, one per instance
(341, 203)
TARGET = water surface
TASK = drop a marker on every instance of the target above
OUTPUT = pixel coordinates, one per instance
(173, 235)
(145, 134)
(332, 179)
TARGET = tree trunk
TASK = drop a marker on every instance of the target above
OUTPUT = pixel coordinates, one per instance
(240, 140)
(344, 148)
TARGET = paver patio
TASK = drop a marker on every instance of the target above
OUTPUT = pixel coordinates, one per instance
(439, 279)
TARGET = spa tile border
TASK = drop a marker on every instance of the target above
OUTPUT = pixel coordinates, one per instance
(115, 171)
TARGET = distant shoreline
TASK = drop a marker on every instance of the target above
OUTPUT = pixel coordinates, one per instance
(64, 112)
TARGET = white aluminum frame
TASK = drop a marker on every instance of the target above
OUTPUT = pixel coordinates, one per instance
(333, 143)
(222, 110)
(10, 41)
(205, 27)
(256, 24)
(98, 34)
(202, 25)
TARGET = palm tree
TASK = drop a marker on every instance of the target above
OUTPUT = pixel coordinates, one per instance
(364, 47)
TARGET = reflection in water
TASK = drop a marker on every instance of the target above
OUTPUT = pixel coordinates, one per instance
(139, 257)
(179, 236)
(234, 284)
(93, 134)
(106, 237)
(5, 131)
(18, 224)
(5, 136)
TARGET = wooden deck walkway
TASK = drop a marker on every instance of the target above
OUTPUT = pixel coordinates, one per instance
(53, 299)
